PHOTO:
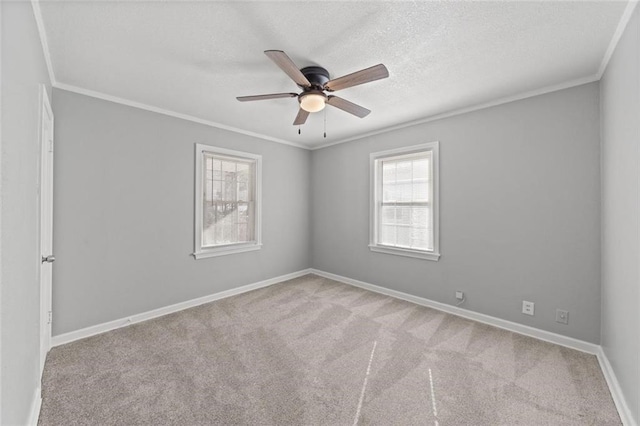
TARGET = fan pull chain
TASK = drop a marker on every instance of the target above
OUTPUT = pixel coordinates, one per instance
(325, 123)
(298, 129)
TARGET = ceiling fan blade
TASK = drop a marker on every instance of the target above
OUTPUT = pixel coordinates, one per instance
(373, 73)
(347, 106)
(288, 66)
(263, 97)
(301, 117)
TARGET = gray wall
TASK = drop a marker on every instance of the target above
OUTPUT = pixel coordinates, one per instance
(519, 206)
(620, 97)
(520, 211)
(23, 70)
(124, 212)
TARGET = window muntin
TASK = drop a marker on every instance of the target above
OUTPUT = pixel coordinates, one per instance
(405, 219)
(228, 201)
(404, 201)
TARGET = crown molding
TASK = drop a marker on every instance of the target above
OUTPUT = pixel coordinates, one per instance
(151, 108)
(37, 13)
(624, 20)
(465, 110)
(35, 4)
(622, 25)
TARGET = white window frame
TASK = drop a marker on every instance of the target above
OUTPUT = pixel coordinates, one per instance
(376, 194)
(201, 252)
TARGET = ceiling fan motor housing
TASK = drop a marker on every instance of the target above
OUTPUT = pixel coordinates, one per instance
(317, 76)
(314, 82)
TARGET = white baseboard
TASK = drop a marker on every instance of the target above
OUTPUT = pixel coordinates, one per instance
(72, 336)
(591, 348)
(616, 390)
(486, 319)
(610, 377)
(34, 412)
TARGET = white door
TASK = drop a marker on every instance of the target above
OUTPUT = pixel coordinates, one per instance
(46, 224)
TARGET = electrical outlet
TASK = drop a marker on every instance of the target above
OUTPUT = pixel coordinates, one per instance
(562, 316)
(459, 295)
(527, 307)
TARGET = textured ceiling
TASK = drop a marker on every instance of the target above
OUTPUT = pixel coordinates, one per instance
(194, 58)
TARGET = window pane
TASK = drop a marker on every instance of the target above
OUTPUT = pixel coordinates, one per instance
(243, 191)
(388, 215)
(388, 172)
(227, 212)
(243, 172)
(243, 213)
(229, 230)
(403, 215)
(212, 191)
(209, 237)
(229, 193)
(215, 216)
(404, 192)
(208, 189)
(208, 166)
(246, 217)
(221, 212)
(420, 238)
(216, 167)
(403, 170)
(420, 217)
(390, 193)
(243, 232)
(388, 235)
(403, 235)
(209, 219)
(421, 169)
(421, 191)
(228, 170)
(228, 207)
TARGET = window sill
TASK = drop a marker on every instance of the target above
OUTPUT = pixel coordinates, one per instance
(223, 251)
(405, 252)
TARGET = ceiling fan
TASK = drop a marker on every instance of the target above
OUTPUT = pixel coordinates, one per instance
(314, 82)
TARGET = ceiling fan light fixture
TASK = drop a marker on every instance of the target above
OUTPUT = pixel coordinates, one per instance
(313, 102)
(314, 81)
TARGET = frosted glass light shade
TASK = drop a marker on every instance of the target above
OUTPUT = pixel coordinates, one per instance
(312, 102)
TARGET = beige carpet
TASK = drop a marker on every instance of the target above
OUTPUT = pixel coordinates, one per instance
(312, 351)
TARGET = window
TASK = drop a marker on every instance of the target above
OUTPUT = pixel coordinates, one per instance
(404, 202)
(227, 218)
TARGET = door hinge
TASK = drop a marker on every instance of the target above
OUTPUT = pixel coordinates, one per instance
(50, 318)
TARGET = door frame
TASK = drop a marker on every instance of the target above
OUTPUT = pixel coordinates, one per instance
(45, 195)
